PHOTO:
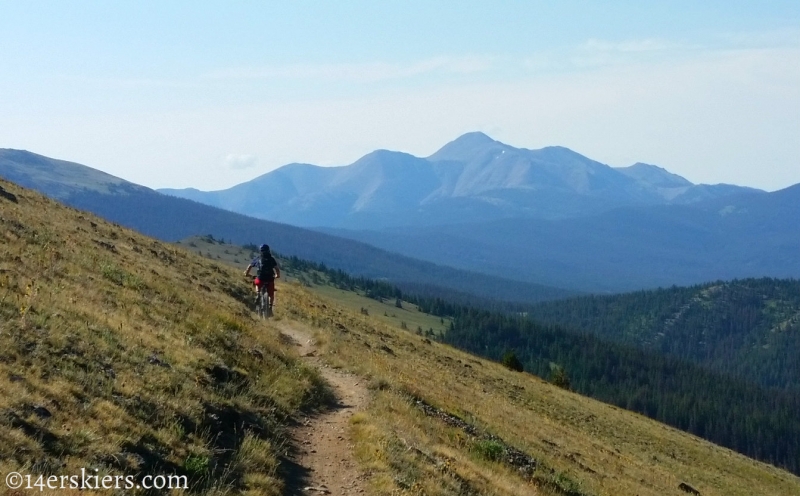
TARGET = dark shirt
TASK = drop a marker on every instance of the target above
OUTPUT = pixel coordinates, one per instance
(265, 267)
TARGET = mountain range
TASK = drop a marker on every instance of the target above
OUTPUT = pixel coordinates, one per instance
(172, 219)
(471, 179)
(478, 216)
(749, 235)
(548, 216)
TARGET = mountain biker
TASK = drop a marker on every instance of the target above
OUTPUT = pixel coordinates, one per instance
(267, 270)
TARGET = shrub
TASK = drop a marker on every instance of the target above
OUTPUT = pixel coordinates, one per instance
(511, 361)
(558, 376)
(489, 449)
(196, 466)
(121, 277)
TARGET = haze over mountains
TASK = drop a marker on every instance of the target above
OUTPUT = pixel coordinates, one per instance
(471, 179)
(173, 219)
(548, 216)
(624, 249)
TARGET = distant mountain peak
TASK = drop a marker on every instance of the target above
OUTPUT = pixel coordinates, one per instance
(654, 175)
(466, 146)
(383, 154)
(650, 167)
(475, 137)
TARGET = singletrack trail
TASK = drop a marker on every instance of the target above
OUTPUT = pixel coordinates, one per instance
(323, 462)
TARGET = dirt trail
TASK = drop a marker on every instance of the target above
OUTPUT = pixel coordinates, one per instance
(323, 462)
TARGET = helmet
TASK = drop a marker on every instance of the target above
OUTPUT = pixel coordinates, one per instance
(264, 248)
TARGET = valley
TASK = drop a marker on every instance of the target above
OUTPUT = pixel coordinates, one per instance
(525, 248)
(702, 376)
(102, 324)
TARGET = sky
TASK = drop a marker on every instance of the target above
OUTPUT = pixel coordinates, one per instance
(210, 94)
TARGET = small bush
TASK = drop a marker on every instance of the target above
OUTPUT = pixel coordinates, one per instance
(489, 449)
(121, 277)
(558, 376)
(566, 485)
(196, 466)
(511, 361)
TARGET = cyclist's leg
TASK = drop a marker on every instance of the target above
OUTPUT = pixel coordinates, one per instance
(271, 292)
(259, 294)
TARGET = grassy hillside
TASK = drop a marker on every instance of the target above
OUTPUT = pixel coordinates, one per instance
(720, 407)
(132, 357)
(445, 422)
(755, 421)
(405, 317)
(124, 354)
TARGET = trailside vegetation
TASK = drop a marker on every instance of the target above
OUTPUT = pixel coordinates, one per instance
(134, 357)
(713, 403)
(759, 422)
(130, 356)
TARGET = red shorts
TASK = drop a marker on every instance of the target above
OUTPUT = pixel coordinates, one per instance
(270, 286)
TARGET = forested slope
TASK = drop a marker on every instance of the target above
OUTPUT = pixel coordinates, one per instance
(746, 328)
(760, 422)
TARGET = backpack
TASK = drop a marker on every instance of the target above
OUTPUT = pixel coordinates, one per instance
(265, 271)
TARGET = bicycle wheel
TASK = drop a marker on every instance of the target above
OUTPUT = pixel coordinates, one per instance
(260, 304)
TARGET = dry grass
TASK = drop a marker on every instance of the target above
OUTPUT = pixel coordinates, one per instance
(148, 361)
(408, 317)
(124, 354)
(582, 446)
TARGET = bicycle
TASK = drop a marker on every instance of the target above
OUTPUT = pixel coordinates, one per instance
(263, 306)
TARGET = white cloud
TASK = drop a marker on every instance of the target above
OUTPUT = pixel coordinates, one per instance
(238, 162)
(596, 53)
(711, 115)
(369, 72)
(646, 45)
(781, 38)
(124, 83)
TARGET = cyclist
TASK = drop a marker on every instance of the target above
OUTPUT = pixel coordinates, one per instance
(267, 270)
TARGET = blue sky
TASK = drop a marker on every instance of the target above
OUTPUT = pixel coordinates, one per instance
(209, 94)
